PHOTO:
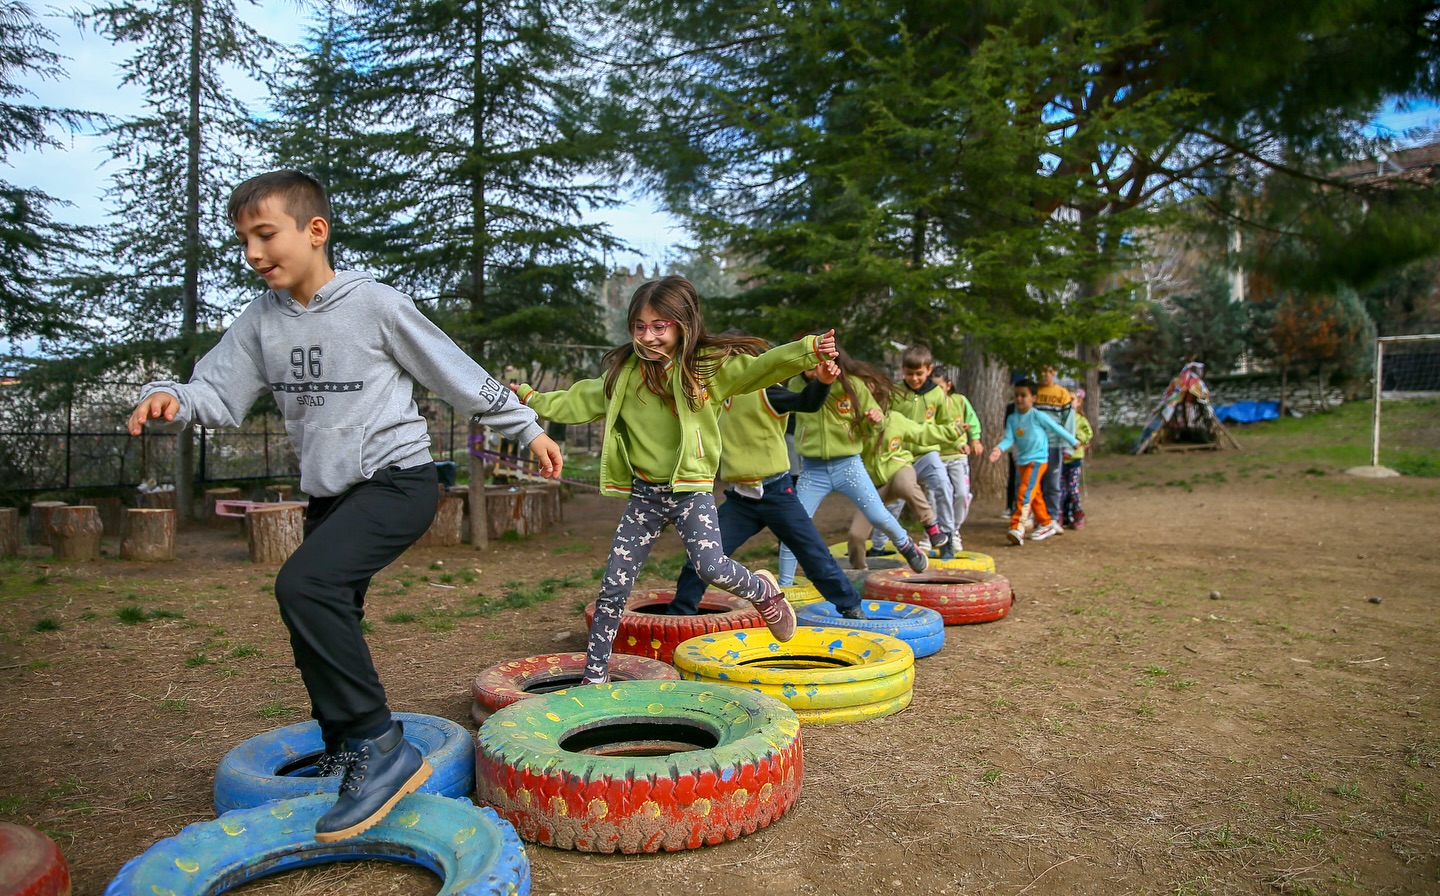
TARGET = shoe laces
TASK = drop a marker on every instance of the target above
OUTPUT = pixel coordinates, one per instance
(331, 764)
(355, 772)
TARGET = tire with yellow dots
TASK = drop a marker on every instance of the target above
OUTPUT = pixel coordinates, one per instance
(640, 766)
(826, 675)
(802, 593)
(474, 851)
(515, 680)
(893, 560)
(647, 630)
(961, 596)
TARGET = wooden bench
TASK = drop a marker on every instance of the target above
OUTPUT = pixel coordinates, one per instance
(238, 509)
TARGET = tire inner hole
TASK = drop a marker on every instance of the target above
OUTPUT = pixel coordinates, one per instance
(658, 609)
(557, 683)
(639, 737)
(796, 662)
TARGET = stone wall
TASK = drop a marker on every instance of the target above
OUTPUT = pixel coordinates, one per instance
(1131, 405)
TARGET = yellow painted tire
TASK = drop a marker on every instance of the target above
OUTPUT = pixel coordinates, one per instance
(801, 593)
(826, 675)
(966, 560)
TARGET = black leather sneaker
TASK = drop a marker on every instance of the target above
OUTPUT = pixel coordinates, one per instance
(855, 612)
(385, 769)
(911, 552)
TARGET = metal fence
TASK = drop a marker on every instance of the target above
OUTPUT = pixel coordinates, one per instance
(79, 441)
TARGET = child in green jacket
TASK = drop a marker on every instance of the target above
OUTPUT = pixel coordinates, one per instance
(661, 397)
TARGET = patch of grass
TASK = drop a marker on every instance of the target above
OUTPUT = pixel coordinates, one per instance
(46, 624)
(1300, 802)
(12, 803)
(1348, 790)
(198, 659)
(511, 536)
(990, 778)
(276, 710)
(571, 548)
(402, 617)
(241, 651)
(134, 614)
(176, 705)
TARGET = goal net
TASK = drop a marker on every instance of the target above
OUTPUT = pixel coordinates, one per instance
(1406, 367)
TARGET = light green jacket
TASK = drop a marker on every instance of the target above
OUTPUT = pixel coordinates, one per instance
(697, 458)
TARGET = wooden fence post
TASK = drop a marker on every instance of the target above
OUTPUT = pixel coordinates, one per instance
(9, 531)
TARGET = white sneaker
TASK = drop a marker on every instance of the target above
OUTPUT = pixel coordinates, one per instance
(1043, 532)
(1016, 536)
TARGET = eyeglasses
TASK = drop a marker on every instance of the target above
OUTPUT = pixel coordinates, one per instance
(658, 327)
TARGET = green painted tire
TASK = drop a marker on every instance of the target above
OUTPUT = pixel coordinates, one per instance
(827, 675)
(640, 766)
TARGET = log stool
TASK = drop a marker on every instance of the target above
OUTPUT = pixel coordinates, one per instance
(161, 499)
(274, 532)
(9, 531)
(445, 529)
(149, 534)
(207, 511)
(112, 514)
(75, 532)
(40, 520)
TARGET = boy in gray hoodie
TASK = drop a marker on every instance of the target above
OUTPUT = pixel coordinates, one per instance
(340, 354)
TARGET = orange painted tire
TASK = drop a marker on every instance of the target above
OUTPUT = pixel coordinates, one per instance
(31, 863)
(505, 683)
(646, 630)
(640, 766)
(961, 596)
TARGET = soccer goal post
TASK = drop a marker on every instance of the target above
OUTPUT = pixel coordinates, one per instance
(1405, 367)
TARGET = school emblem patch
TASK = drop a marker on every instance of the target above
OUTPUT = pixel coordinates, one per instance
(843, 405)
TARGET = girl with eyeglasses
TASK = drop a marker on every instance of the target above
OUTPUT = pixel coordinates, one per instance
(661, 397)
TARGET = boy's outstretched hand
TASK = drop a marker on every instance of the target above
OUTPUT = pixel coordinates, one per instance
(827, 372)
(549, 456)
(825, 345)
(994, 455)
(160, 404)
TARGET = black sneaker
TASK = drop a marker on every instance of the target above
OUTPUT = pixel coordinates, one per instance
(385, 769)
(855, 612)
(912, 554)
(876, 552)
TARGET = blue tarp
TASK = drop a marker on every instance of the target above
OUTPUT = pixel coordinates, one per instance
(1248, 411)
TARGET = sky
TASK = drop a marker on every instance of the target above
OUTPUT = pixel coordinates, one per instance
(74, 173)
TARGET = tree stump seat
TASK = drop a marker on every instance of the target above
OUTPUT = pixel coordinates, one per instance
(149, 534)
(75, 532)
(274, 530)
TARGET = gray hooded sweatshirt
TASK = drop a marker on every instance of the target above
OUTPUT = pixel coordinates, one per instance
(342, 371)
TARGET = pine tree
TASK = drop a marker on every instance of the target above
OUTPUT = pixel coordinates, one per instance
(170, 271)
(486, 122)
(32, 241)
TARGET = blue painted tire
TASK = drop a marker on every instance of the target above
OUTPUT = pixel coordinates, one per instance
(267, 767)
(471, 849)
(920, 627)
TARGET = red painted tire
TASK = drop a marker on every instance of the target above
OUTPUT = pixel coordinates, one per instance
(504, 683)
(646, 630)
(640, 766)
(31, 863)
(960, 595)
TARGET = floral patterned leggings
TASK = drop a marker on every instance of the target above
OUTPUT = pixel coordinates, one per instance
(1070, 493)
(696, 521)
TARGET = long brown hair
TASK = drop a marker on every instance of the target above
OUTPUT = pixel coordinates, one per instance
(880, 388)
(699, 354)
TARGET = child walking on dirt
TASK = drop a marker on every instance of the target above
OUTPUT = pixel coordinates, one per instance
(761, 493)
(341, 355)
(1028, 429)
(957, 459)
(661, 397)
(1072, 515)
(830, 442)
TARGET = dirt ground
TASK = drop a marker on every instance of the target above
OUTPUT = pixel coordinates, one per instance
(1226, 683)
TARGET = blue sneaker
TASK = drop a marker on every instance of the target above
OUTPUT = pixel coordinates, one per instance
(385, 768)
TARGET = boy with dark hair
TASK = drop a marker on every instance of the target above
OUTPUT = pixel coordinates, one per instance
(920, 399)
(341, 355)
(1056, 402)
(1029, 429)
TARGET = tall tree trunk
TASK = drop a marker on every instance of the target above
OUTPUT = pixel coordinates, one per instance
(479, 211)
(190, 302)
(986, 384)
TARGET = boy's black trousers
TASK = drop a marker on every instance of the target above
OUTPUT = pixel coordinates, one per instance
(321, 592)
